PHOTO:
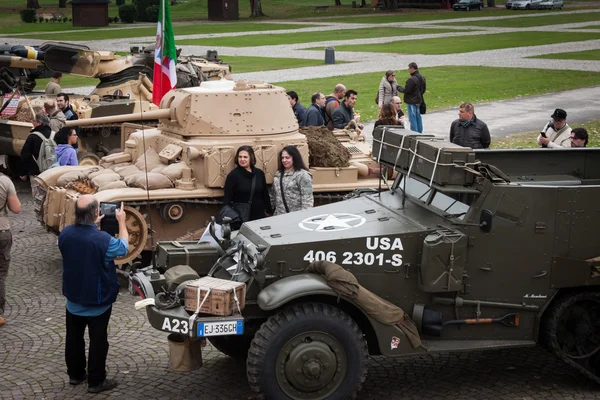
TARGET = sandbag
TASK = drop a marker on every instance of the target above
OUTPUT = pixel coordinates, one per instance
(92, 170)
(103, 179)
(100, 172)
(152, 181)
(113, 185)
(159, 169)
(174, 171)
(124, 172)
(133, 178)
(150, 158)
(119, 165)
(69, 177)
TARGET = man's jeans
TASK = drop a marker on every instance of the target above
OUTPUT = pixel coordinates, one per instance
(5, 246)
(414, 116)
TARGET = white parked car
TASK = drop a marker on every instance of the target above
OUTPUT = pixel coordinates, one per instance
(551, 4)
(525, 4)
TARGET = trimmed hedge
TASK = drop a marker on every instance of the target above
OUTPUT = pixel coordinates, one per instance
(147, 10)
(27, 15)
(128, 14)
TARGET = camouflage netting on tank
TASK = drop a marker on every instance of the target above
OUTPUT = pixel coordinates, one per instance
(324, 148)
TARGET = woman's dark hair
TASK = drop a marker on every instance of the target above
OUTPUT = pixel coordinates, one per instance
(250, 152)
(296, 158)
(62, 136)
(388, 112)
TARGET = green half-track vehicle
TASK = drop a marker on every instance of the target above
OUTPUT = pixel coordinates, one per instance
(467, 250)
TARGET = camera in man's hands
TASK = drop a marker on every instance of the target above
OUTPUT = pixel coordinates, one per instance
(109, 223)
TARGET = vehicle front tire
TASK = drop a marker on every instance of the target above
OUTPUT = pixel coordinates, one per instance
(528, 7)
(572, 328)
(310, 351)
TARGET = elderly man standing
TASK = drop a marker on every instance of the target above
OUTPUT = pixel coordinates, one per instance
(57, 118)
(468, 131)
(10, 201)
(90, 286)
(556, 133)
(314, 114)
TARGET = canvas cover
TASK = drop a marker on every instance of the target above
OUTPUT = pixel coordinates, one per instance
(346, 284)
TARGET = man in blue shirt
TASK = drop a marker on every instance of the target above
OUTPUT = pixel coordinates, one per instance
(90, 286)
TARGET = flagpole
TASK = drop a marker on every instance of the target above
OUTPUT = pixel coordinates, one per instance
(162, 35)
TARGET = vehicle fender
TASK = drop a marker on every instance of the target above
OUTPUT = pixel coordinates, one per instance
(292, 287)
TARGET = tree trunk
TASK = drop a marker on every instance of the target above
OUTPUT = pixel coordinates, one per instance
(338, 2)
(62, 3)
(256, 8)
(390, 5)
(33, 4)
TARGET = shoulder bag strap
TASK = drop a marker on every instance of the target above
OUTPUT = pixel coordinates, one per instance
(287, 210)
(252, 190)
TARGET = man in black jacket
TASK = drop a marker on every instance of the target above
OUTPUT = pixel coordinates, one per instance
(314, 114)
(468, 131)
(413, 96)
(32, 145)
(345, 111)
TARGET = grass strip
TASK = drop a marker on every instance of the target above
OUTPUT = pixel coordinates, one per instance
(527, 140)
(414, 15)
(575, 55)
(191, 29)
(304, 37)
(547, 19)
(445, 89)
(464, 44)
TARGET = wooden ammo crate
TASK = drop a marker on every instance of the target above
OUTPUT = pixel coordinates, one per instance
(386, 145)
(441, 155)
(220, 300)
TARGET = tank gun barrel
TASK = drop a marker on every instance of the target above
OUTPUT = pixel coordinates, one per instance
(148, 115)
(19, 62)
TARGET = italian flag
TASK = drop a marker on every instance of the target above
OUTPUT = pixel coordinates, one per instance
(165, 55)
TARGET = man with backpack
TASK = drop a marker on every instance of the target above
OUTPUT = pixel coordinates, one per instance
(332, 102)
(57, 118)
(39, 151)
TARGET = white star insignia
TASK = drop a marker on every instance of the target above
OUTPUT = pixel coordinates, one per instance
(332, 222)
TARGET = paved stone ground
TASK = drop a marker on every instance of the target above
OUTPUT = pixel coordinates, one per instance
(32, 346)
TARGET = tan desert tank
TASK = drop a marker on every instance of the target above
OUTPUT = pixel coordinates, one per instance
(188, 157)
(125, 88)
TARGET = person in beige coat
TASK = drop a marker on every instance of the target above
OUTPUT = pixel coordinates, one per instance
(388, 88)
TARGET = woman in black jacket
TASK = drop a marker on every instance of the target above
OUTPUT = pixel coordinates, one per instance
(238, 185)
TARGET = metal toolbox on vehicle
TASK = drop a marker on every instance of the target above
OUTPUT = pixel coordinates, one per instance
(392, 145)
(216, 296)
(199, 256)
(442, 159)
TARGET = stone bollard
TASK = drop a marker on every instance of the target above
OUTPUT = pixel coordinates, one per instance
(329, 55)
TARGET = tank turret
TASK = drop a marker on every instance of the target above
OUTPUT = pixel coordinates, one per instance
(125, 88)
(171, 177)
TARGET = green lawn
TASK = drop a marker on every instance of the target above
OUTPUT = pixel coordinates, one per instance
(306, 37)
(575, 55)
(464, 44)
(552, 18)
(419, 15)
(528, 139)
(448, 88)
(202, 27)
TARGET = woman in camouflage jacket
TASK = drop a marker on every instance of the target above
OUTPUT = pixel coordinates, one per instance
(292, 185)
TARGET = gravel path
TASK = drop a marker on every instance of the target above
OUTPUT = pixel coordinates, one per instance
(504, 118)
